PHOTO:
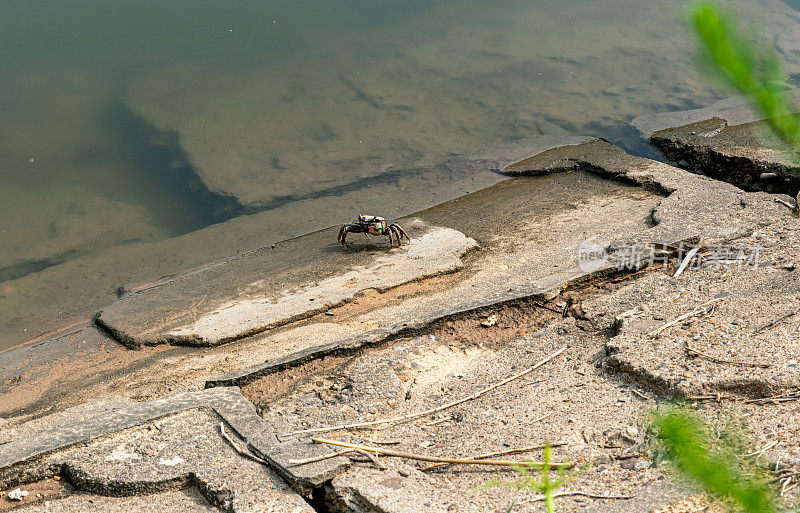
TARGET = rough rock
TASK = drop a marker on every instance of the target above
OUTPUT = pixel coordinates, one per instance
(156, 447)
(752, 292)
(739, 154)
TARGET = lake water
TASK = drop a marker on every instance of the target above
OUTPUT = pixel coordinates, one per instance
(128, 122)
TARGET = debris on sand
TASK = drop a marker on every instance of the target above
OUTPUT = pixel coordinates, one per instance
(17, 494)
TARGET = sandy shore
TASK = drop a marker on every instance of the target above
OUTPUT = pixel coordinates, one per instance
(306, 335)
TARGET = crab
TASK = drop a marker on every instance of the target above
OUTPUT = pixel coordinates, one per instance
(373, 225)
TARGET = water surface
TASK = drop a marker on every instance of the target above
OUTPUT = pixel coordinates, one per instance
(130, 123)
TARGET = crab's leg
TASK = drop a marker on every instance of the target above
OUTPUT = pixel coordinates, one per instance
(401, 232)
(397, 234)
(343, 235)
(389, 232)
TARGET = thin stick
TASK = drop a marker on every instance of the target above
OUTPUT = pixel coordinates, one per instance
(773, 399)
(785, 484)
(432, 410)
(716, 397)
(237, 447)
(786, 204)
(585, 494)
(639, 394)
(785, 475)
(547, 308)
(320, 458)
(620, 457)
(776, 321)
(694, 352)
(699, 311)
(433, 459)
(541, 417)
(689, 256)
(438, 421)
(374, 459)
(499, 453)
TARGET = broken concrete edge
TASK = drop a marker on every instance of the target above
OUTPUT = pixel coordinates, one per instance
(449, 261)
(227, 403)
(728, 153)
(672, 391)
(24, 459)
(584, 157)
(374, 338)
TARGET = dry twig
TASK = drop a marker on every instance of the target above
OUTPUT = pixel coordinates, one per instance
(433, 459)
(237, 447)
(499, 453)
(689, 256)
(315, 459)
(776, 321)
(539, 498)
(699, 311)
(691, 351)
(373, 458)
(438, 421)
(432, 410)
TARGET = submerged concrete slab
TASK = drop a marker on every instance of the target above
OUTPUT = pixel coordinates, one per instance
(736, 110)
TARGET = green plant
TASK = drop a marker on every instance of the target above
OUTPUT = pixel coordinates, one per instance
(711, 463)
(750, 69)
(544, 484)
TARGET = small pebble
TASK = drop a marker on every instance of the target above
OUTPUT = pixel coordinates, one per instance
(792, 363)
(632, 431)
(403, 472)
(768, 176)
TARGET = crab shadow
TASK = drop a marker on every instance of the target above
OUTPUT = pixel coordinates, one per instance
(361, 247)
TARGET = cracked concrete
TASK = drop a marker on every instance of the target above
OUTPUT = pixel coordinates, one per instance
(403, 337)
(727, 141)
(119, 449)
(237, 308)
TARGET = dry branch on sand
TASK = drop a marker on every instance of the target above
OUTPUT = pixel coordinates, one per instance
(432, 410)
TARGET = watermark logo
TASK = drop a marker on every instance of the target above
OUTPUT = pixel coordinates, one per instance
(591, 256)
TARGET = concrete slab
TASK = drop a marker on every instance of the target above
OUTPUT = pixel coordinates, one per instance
(748, 155)
(36, 306)
(753, 292)
(583, 409)
(132, 449)
(268, 274)
(266, 290)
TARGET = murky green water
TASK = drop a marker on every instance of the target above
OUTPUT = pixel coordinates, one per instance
(137, 121)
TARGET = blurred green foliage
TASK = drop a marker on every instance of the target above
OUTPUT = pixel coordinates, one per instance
(711, 463)
(544, 483)
(750, 69)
